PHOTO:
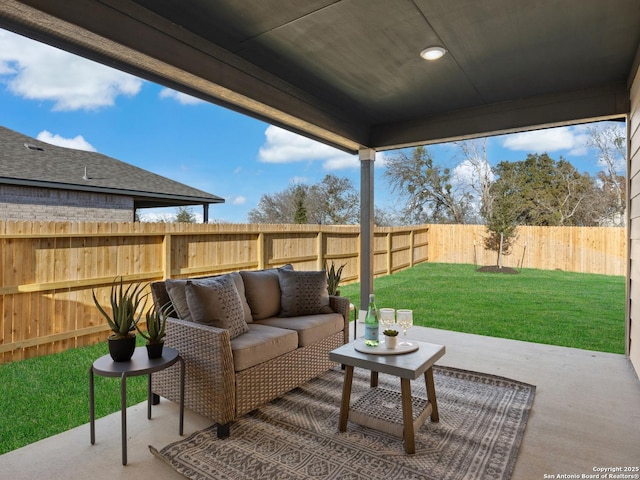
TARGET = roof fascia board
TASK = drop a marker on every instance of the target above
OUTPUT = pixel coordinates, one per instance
(610, 101)
(113, 191)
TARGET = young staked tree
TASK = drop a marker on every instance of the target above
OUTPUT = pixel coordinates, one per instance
(502, 223)
(426, 188)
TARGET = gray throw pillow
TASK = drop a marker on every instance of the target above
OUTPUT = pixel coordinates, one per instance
(237, 280)
(175, 289)
(303, 293)
(176, 292)
(217, 303)
(262, 290)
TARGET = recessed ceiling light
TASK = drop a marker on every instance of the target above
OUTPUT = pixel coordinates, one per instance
(433, 53)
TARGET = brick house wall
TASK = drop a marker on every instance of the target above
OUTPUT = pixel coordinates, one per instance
(36, 203)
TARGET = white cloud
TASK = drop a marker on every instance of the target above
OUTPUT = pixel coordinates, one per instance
(238, 200)
(77, 143)
(181, 98)
(36, 71)
(283, 146)
(572, 139)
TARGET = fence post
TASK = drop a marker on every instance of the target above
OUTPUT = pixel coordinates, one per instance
(166, 256)
(411, 242)
(260, 250)
(321, 252)
(389, 254)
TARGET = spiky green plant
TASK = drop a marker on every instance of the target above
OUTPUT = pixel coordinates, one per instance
(390, 332)
(333, 277)
(156, 324)
(127, 306)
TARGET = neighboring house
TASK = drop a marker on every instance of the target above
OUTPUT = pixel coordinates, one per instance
(40, 181)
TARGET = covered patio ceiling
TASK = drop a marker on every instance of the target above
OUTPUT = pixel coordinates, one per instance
(348, 72)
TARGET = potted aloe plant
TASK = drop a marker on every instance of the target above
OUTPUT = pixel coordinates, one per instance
(127, 305)
(333, 278)
(156, 329)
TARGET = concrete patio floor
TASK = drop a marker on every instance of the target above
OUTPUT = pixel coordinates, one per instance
(586, 415)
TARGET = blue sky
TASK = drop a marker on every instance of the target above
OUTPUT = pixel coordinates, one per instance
(66, 100)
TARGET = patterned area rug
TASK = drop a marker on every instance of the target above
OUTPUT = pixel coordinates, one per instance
(482, 421)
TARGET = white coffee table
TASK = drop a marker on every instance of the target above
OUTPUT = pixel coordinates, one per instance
(370, 410)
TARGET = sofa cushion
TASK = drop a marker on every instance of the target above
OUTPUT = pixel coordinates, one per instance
(217, 303)
(310, 328)
(261, 344)
(303, 293)
(176, 291)
(262, 289)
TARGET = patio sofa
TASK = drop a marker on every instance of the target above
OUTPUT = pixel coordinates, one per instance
(248, 337)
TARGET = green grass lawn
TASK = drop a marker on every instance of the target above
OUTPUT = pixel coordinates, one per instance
(43, 396)
(553, 307)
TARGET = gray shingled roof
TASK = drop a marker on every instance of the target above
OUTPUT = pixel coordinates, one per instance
(46, 165)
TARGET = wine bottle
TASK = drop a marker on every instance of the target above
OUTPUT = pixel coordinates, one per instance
(371, 323)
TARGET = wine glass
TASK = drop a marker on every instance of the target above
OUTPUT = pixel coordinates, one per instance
(405, 321)
(387, 318)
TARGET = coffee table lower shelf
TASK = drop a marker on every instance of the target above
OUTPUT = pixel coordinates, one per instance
(382, 410)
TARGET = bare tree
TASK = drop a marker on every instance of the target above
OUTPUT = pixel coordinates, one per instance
(479, 174)
(278, 207)
(333, 201)
(609, 142)
(428, 190)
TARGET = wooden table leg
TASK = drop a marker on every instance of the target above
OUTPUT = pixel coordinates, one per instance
(407, 416)
(431, 394)
(373, 381)
(346, 398)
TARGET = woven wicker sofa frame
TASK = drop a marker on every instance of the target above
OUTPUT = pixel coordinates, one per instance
(214, 389)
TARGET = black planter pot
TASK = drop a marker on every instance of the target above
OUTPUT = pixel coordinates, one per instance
(154, 350)
(121, 349)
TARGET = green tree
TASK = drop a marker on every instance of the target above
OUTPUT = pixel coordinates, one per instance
(427, 189)
(185, 215)
(543, 191)
(502, 223)
(300, 215)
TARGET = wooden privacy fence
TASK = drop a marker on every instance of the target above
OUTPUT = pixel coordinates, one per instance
(600, 250)
(49, 269)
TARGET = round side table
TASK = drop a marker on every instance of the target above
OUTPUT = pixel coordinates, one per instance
(140, 364)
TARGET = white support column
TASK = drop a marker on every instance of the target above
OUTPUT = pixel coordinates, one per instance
(367, 157)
